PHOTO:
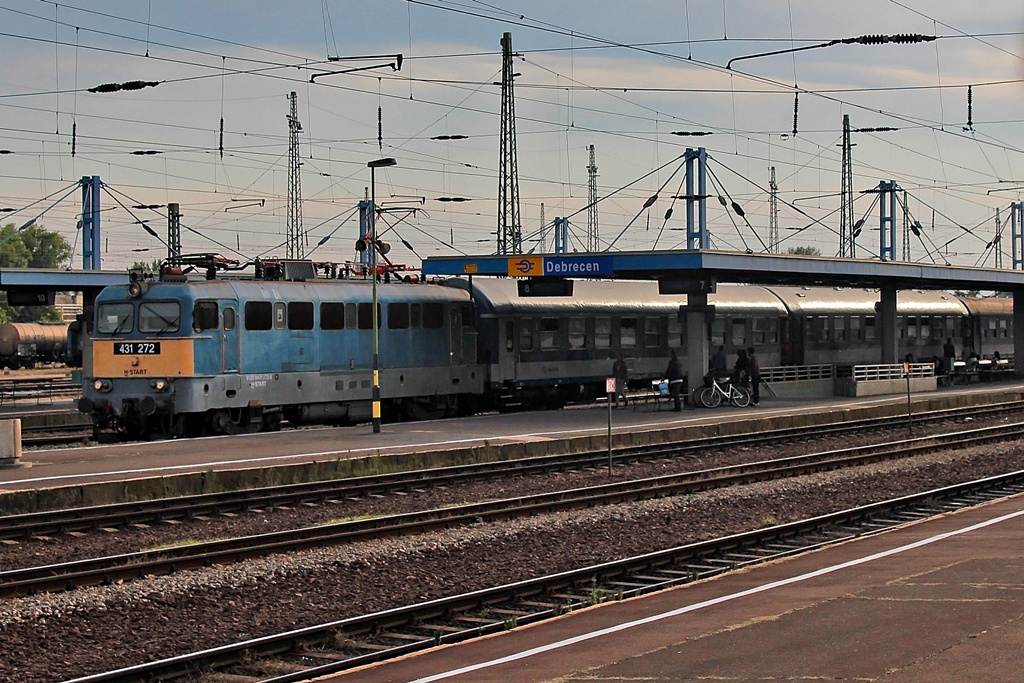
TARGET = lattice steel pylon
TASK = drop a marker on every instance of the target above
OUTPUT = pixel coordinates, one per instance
(510, 234)
(773, 214)
(847, 247)
(296, 248)
(593, 232)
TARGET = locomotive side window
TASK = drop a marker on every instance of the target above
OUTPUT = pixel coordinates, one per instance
(332, 316)
(300, 315)
(398, 316)
(229, 318)
(159, 316)
(603, 333)
(548, 333)
(416, 315)
(627, 332)
(577, 333)
(366, 316)
(258, 315)
(204, 316)
(351, 316)
(115, 318)
(433, 316)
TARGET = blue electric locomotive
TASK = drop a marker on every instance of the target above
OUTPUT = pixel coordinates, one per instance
(223, 356)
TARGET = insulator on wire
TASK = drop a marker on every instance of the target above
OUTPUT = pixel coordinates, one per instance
(650, 202)
(970, 108)
(74, 137)
(796, 111)
(668, 214)
(222, 137)
(721, 200)
(738, 209)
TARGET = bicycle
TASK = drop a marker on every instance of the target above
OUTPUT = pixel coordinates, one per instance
(712, 396)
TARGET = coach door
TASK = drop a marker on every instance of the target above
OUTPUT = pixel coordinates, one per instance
(229, 337)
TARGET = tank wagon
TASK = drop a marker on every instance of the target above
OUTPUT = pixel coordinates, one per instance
(22, 345)
(224, 356)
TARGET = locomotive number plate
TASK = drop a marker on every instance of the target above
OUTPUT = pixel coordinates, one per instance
(137, 348)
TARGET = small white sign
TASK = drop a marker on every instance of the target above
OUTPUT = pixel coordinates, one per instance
(609, 385)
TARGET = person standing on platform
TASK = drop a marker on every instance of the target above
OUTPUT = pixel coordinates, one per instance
(755, 376)
(948, 355)
(741, 372)
(674, 375)
(719, 363)
(620, 371)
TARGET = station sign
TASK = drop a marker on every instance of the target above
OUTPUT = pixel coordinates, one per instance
(561, 266)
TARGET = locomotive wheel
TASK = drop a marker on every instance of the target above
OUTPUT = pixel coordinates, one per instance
(221, 423)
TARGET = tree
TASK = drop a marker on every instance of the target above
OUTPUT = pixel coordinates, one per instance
(151, 267)
(33, 247)
(804, 251)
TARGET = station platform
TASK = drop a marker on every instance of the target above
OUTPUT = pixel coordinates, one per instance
(100, 474)
(938, 600)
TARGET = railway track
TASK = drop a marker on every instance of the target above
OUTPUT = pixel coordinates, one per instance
(121, 515)
(127, 567)
(341, 645)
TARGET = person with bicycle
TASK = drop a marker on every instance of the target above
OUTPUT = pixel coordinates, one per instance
(741, 371)
(755, 376)
(674, 375)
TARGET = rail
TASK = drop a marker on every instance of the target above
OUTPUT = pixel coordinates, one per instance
(41, 390)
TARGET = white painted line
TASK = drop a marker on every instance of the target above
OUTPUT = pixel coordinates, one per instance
(710, 603)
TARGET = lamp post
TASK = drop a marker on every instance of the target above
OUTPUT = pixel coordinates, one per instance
(374, 165)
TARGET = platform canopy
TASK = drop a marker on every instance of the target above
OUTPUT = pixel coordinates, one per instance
(683, 271)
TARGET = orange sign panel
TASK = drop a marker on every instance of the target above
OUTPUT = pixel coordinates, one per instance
(142, 358)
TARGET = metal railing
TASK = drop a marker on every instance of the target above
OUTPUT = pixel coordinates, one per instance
(796, 373)
(867, 373)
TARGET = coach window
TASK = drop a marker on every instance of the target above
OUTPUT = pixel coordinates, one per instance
(332, 316)
(204, 316)
(398, 316)
(300, 315)
(366, 316)
(258, 315)
(675, 333)
(577, 333)
(526, 334)
(548, 334)
(840, 328)
(280, 315)
(757, 330)
(415, 315)
(821, 328)
(603, 333)
(351, 316)
(510, 335)
(773, 330)
(855, 331)
(739, 331)
(912, 327)
(627, 332)
(926, 328)
(869, 328)
(717, 332)
(433, 316)
(1002, 328)
(652, 333)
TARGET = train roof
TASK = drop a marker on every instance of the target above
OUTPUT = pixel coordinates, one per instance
(501, 296)
(990, 305)
(825, 300)
(278, 290)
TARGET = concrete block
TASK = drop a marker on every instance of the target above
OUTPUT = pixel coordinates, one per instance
(10, 443)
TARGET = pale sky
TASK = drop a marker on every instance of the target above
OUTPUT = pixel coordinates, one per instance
(622, 76)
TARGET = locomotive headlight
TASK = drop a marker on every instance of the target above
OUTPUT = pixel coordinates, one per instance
(160, 385)
(102, 385)
(137, 288)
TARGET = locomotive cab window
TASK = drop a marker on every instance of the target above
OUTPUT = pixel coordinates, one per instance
(159, 316)
(300, 315)
(116, 318)
(366, 316)
(229, 318)
(433, 316)
(204, 316)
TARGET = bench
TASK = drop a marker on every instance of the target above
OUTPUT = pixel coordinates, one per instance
(656, 394)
